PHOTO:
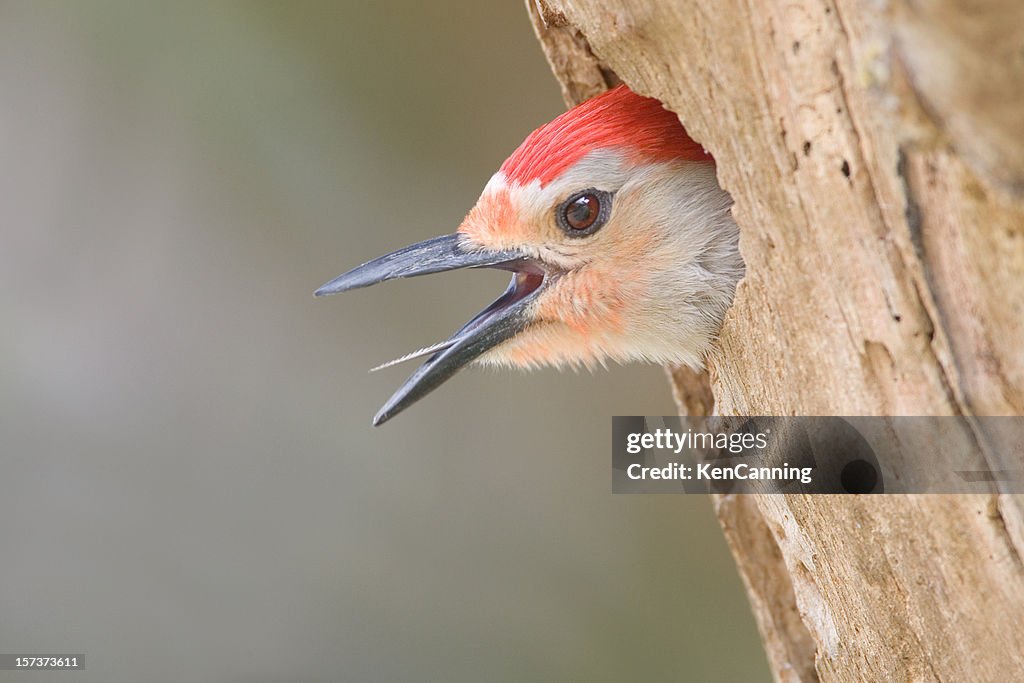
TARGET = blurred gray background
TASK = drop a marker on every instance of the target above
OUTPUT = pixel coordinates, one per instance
(190, 487)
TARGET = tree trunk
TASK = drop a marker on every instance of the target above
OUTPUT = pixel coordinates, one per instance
(875, 154)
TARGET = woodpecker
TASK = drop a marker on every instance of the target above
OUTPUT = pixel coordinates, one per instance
(621, 244)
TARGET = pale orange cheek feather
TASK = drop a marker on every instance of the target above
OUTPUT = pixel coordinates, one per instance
(492, 223)
(585, 300)
(580, 320)
(547, 346)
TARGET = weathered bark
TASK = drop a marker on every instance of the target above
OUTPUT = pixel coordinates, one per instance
(876, 160)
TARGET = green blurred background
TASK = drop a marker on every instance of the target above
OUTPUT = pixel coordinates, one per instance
(190, 486)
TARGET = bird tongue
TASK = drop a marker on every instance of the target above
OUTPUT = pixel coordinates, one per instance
(522, 285)
(503, 319)
(425, 351)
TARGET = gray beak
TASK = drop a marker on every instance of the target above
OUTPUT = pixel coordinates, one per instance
(506, 317)
(423, 258)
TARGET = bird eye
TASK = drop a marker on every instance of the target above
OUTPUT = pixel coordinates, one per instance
(584, 212)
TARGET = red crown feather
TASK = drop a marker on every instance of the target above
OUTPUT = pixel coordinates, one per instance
(639, 126)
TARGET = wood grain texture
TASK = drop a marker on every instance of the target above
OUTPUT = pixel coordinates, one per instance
(876, 161)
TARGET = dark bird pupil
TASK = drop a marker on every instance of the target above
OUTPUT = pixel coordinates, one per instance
(582, 212)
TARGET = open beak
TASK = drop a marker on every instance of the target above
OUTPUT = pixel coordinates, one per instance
(506, 317)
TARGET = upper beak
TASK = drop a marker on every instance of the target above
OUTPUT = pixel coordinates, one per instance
(506, 317)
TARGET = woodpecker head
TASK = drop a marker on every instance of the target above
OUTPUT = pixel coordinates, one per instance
(620, 241)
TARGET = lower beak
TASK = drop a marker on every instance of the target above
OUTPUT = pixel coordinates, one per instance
(506, 317)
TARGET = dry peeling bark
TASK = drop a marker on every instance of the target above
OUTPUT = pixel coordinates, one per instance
(875, 153)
